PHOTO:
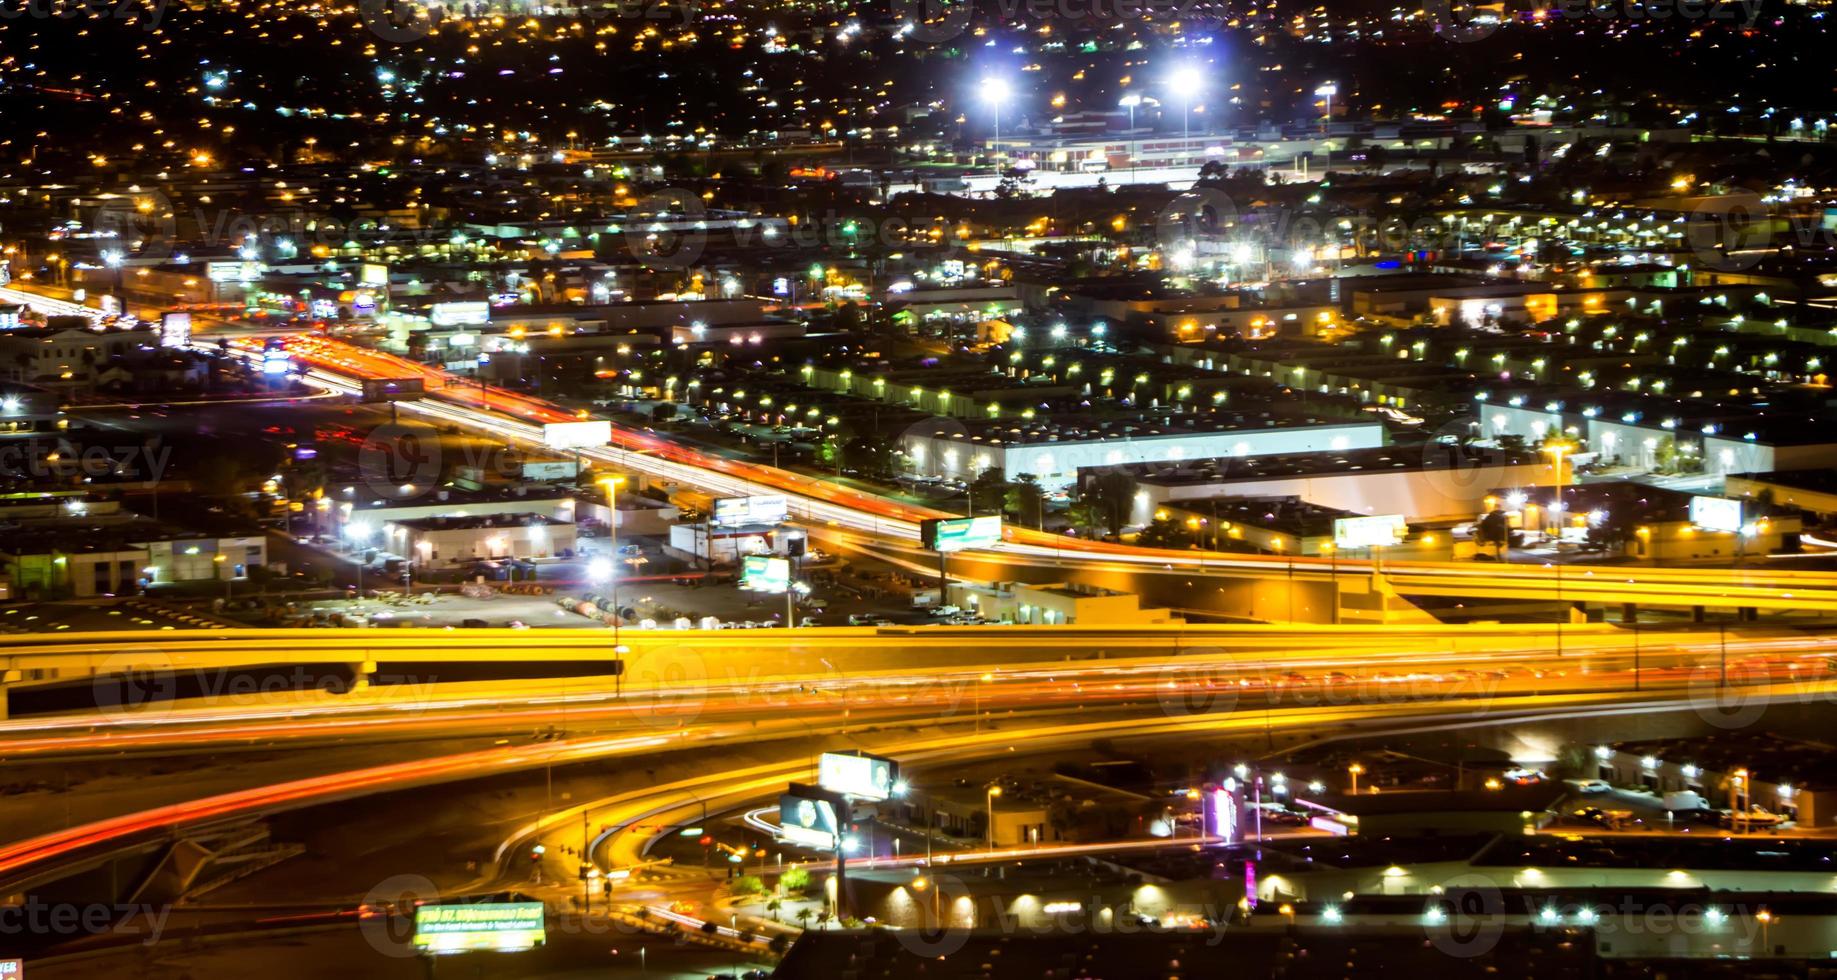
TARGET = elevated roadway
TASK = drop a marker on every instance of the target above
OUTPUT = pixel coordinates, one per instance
(519, 418)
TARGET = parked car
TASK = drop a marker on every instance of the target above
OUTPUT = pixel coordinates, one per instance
(1591, 785)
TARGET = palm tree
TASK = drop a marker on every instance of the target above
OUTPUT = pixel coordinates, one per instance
(803, 918)
(772, 905)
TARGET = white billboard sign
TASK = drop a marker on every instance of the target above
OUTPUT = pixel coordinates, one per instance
(475, 313)
(1716, 514)
(864, 777)
(763, 509)
(1380, 531)
(577, 435)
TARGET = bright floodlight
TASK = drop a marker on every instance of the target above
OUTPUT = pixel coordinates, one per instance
(599, 569)
(1327, 90)
(996, 90)
(1187, 81)
(1130, 101)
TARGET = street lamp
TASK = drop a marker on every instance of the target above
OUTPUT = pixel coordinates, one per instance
(995, 91)
(1186, 81)
(1327, 91)
(1130, 102)
(611, 483)
(1355, 771)
(994, 791)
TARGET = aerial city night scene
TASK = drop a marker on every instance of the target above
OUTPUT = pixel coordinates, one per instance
(918, 489)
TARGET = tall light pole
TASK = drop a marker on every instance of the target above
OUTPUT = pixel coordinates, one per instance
(1354, 770)
(1130, 102)
(994, 791)
(1186, 81)
(995, 91)
(611, 483)
(1327, 91)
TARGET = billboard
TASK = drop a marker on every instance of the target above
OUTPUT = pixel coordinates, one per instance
(174, 329)
(764, 573)
(233, 271)
(372, 274)
(767, 509)
(808, 820)
(959, 533)
(575, 435)
(1716, 513)
(862, 776)
(1381, 531)
(551, 470)
(471, 313)
(393, 389)
(496, 926)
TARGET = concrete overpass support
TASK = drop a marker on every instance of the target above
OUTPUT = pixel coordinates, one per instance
(1370, 600)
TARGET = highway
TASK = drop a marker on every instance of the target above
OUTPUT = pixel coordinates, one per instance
(519, 418)
(1274, 677)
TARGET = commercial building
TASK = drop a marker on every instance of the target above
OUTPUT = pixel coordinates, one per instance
(83, 557)
(1735, 770)
(1054, 450)
(448, 540)
(1813, 491)
(1644, 522)
(1425, 482)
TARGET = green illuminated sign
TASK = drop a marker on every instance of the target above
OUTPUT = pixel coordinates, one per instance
(498, 926)
(959, 533)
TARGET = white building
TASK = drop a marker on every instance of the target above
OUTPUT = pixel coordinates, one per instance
(446, 540)
(1054, 452)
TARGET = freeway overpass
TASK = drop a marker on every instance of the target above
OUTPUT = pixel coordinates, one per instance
(1278, 587)
(128, 679)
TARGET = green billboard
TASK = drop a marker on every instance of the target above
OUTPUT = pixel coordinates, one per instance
(959, 533)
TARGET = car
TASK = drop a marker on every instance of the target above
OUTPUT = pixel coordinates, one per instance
(1592, 785)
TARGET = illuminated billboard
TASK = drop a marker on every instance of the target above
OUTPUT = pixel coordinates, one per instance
(959, 533)
(234, 271)
(1382, 531)
(495, 926)
(1716, 513)
(372, 274)
(807, 820)
(174, 329)
(764, 509)
(576, 435)
(862, 776)
(474, 313)
(764, 573)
